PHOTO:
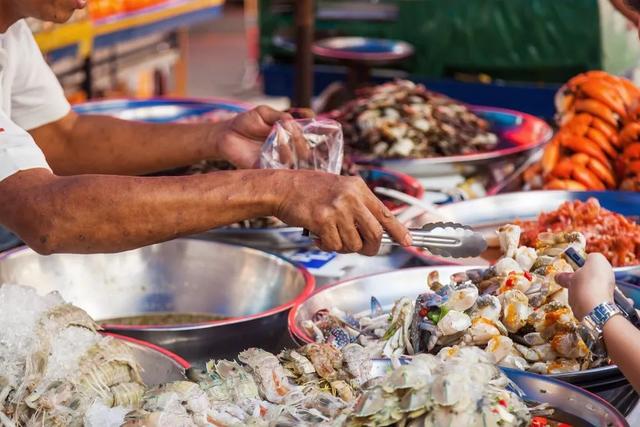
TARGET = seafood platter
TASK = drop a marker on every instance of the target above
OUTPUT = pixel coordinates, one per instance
(513, 310)
(199, 299)
(57, 370)
(404, 127)
(597, 146)
(609, 221)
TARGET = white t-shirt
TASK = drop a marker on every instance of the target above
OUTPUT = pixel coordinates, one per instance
(30, 96)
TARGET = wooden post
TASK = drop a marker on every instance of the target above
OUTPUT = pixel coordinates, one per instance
(180, 68)
(304, 10)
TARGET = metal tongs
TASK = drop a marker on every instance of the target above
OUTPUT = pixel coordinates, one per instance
(619, 298)
(445, 239)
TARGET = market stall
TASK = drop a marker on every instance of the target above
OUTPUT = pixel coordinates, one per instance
(251, 323)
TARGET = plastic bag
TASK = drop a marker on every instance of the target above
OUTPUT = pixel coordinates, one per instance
(304, 144)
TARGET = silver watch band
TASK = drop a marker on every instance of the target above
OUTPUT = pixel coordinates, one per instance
(600, 315)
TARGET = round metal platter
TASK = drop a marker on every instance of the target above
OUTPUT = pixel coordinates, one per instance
(362, 49)
(283, 238)
(488, 213)
(354, 296)
(519, 134)
(159, 110)
(159, 365)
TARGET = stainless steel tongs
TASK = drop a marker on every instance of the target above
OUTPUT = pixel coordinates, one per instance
(445, 239)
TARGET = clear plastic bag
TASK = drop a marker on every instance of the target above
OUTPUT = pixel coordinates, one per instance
(304, 144)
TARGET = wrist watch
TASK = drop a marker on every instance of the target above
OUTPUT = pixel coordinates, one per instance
(595, 320)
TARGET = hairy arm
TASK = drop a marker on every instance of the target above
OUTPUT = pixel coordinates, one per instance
(99, 144)
(103, 213)
(79, 144)
(100, 213)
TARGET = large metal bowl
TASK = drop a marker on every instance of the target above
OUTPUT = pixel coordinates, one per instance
(488, 213)
(255, 289)
(158, 365)
(354, 296)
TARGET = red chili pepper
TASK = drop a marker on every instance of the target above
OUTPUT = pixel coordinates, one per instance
(564, 425)
(528, 275)
(423, 312)
(502, 402)
(538, 422)
(511, 281)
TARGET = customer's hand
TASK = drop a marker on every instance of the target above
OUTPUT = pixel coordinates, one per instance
(590, 285)
(240, 139)
(340, 210)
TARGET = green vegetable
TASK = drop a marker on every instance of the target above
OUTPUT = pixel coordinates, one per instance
(436, 314)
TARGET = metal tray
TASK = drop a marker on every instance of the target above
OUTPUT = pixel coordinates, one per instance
(362, 50)
(489, 213)
(520, 135)
(284, 238)
(253, 288)
(354, 296)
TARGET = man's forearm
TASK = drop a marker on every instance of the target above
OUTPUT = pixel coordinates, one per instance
(106, 145)
(98, 213)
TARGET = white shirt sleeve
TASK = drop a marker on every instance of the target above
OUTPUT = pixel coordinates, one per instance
(18, 151)
(36, 96)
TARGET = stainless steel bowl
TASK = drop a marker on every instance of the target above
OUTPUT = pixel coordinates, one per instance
(255, 289)
(159, 366)
(354, 295)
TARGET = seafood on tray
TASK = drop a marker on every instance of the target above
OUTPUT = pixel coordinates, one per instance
(320, 385)
(612, 234)
(55, 370)
(598, 144)
(54, 367)
(404, 120)
(514, 311)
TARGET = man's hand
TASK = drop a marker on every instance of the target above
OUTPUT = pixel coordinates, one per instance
(341, 211)
(240, 140)
(590, 285)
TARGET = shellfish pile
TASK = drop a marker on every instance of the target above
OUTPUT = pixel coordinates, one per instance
(598, 144)
(404, 120)
(319, 385)
(55, 370)
(55, 367)
(514, 311)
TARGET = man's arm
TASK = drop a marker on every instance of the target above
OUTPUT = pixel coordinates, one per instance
(77, 144)
(101, 213)
(629, 8)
